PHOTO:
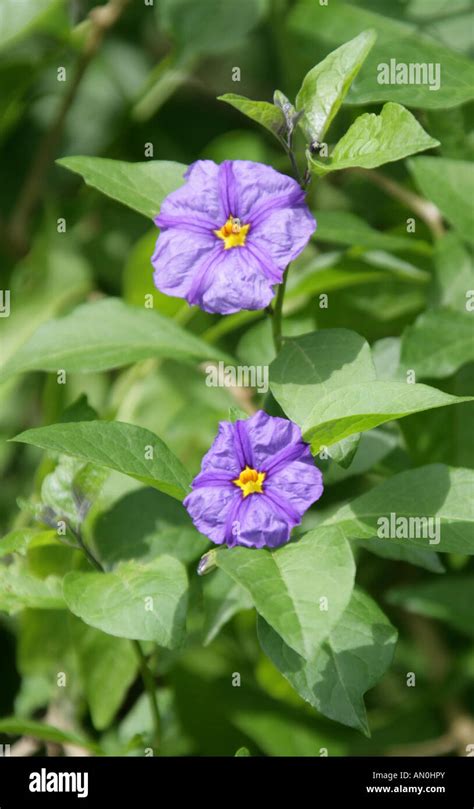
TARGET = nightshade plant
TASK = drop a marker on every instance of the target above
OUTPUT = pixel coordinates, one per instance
(110, 563)
(228, 235)
(263, 456)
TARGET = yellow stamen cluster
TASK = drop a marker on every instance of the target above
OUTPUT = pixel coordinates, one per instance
(233, 233)
(250, 481)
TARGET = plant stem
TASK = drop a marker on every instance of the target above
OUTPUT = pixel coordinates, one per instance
(146, 674)
(294, 165)
(164, 80)
(101, 19)
(150, 688)
(88, 553)
(426, 210)
(277, 313)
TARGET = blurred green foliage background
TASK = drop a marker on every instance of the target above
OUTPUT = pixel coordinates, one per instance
(154, 81)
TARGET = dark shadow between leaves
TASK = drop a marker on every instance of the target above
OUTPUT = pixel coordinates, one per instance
(334, 348)
(145, 524)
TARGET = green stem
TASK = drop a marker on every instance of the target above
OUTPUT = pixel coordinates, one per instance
(294, 164)
(150, 688)
(90, 556)
(167, 77)
(277, 313)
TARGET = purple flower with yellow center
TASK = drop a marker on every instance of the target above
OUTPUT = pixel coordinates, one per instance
(256, 482)
(228, 234)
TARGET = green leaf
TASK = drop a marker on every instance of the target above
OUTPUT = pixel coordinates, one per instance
(13, 726)
(444, 436)
(229, 323)
(255, 347)
(450, 185)
(431, 89)
(146, 524)
(45, 645)
(399, 267)
(124, 447)
(103, 335)
(337, 22)
(344, 451)
(18, 541)
(263, 112)
(451, 130)
(18, 19)
(19, 589)
(333, 24)
(107, 667)
(80, 410)
(386, 357)
(370, 449)
(438, 343)
(287, 735)
(210, 27)
(70, 490)
(435, 491)
(50, 559)
(448, 599)
(331, 271)
(325, 86)
(376, 139)
(351, 660)
(47, 281)
(454, 272)
(137, 279)
(325, 382)
(316, 364)
(449, 28)
(136, 601)
(286, 585)
(429, 560)
(334, 270)
(140, 186)
(222, 599)
(343, 227)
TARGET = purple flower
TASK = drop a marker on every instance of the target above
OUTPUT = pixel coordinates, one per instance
(256, 482)
(228, 235)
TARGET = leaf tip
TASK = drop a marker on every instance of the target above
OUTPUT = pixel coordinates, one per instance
(370, 35)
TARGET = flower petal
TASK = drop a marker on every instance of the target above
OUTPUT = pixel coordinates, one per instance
(257, 185)
(199, 196)
(228, 189)
(235, 281)
(192, 262)
(258, 524)
(222, 456)
(175, 259)
(211, 510)
(300, 483)
(284, 233)
(262, 518)
(272, 272)
(270, 435)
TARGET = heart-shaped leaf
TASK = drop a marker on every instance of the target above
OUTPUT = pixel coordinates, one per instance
(356, 654)
(301, 589)
(140, 602)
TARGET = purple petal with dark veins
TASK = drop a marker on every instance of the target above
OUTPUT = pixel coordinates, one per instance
(292, 483)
